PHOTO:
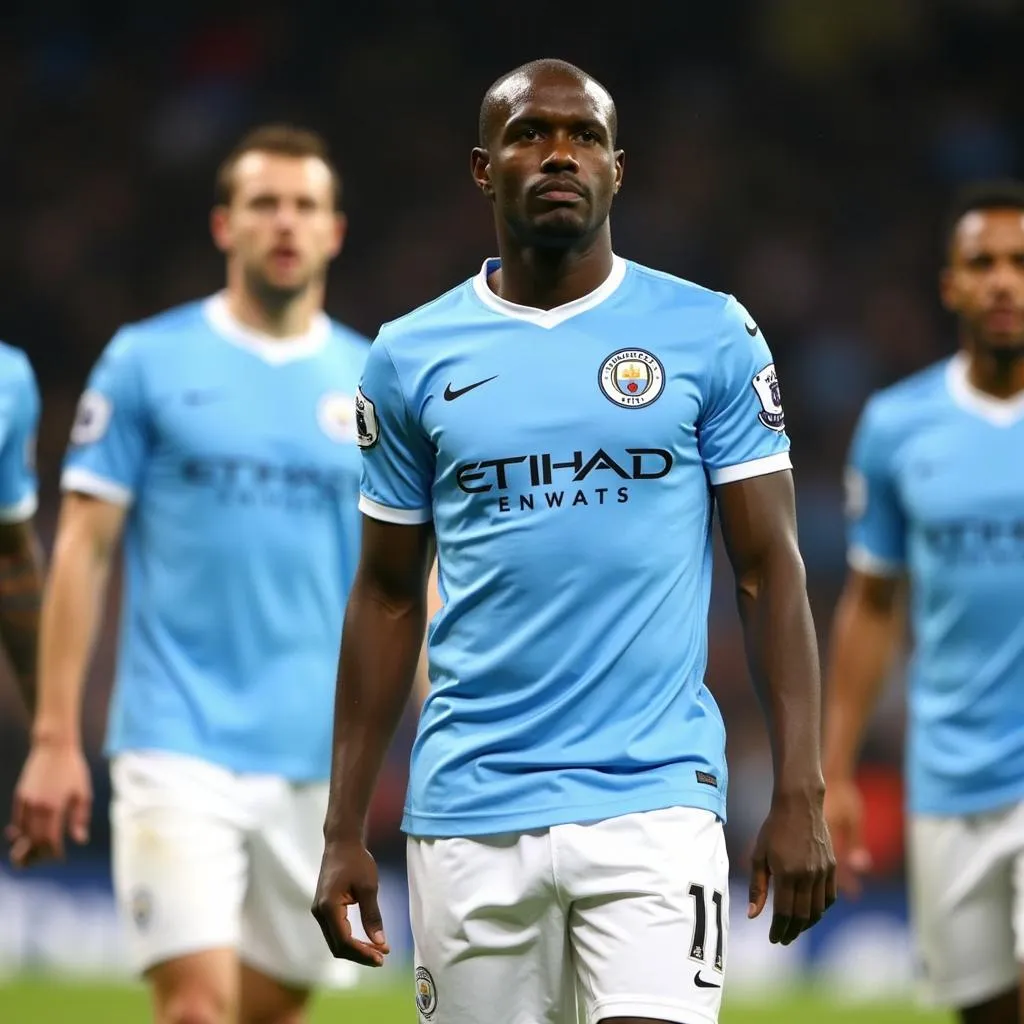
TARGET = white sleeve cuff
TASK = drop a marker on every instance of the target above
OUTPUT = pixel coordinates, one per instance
(870, 564)
(400, 516)
(86, 482)
(20, 511)
(756, 467)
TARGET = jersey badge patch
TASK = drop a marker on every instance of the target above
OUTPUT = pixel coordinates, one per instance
(367, 430)
(766, 385)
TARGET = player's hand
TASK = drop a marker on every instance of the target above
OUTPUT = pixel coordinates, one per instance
(793, 849)
(348, 876)
(53, 797)
(844, 813)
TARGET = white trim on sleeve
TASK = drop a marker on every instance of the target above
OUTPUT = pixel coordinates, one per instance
(755, 467)
(20, 511)
(85, 481)
(870, 564)
(400, 516)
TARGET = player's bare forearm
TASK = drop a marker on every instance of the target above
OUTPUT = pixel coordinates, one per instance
(380, 650)
(793, 847)
(72, 609)
(759, 527)
(868, 622)
(21, 591)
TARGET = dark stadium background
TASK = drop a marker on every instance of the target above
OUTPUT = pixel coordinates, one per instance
(798, 153)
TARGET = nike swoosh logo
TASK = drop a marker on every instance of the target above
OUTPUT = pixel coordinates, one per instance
(752, 331)
(701, 983)
(450, 395)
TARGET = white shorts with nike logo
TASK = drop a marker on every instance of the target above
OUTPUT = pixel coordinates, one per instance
(625, 917)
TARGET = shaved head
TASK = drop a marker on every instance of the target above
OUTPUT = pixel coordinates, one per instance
(503, 95)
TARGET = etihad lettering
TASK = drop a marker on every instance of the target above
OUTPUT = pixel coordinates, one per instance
(964, 541)
(544, 469)
(245, 481)
(543, 480)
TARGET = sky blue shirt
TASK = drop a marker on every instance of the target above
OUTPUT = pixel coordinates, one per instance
(936, 491)
(236, 457)
(566, 459)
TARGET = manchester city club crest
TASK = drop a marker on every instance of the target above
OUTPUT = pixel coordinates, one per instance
(426, 993)
(632, 378)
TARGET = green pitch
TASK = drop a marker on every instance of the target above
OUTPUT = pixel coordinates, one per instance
(42, 1002)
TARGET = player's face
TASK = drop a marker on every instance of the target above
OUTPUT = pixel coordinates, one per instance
(984, 282)
(551, 168)
(281, 225)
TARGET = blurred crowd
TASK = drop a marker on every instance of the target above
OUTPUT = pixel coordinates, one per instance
(796, 153)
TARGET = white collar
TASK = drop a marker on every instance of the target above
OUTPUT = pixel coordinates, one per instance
(275, 351)
(1002, 412)
(547, 318)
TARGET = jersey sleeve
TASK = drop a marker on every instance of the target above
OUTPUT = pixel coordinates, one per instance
(741, 432)
(18, 485)
(109, 437)
(398, 459)
(876, 531)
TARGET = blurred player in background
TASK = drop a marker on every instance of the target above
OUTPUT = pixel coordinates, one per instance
(21, 557)
(557, 421)
(219, 438)
(936, 507)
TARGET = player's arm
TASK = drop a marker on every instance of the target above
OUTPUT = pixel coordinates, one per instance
(88, 533)
(381, 643)
(102, 470)
(21, 554)
(54, 792)
(21, 590)
(380, 649)
(866, 629)
(758, 518)
(868, 623)
(745, 451)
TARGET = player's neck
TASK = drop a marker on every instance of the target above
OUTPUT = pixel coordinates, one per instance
(544, 277)
(998, 376)
(290, 318)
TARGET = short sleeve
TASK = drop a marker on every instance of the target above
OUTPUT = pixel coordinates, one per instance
(18, 485)
(741, 432)
(876, 529)
(398, 459)
(109, 437)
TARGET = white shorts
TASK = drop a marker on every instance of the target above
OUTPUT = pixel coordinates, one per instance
(623, 917)
(206, 859)
(967, 901)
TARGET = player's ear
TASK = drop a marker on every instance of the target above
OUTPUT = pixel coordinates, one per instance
(340, 230)
(947, 289)
(220, 228)
(480, 168)
(620, 167)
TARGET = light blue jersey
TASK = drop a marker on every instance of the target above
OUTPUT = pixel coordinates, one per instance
(565, 458)
(236, 454)
(19, 420)
(936, 490)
